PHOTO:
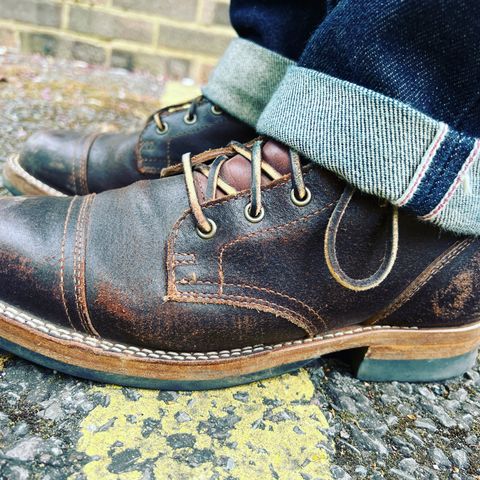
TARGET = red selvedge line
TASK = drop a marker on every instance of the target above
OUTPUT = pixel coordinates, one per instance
(468, 163)
(426, 163)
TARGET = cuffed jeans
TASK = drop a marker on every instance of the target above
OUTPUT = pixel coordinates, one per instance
(386, 94)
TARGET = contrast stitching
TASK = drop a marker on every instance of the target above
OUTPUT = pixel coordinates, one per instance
(184, 262)
(191, 259)
(21, 172)
(62, 261)
(421, 280)
(65, 334)
(79, 273)
(466, 166)
(257, 304)
(76, 282)
(172, 291)
(261, 232)
(186, 255)
(176, 228)
(281, 294)
(262, 289)
(171, 287)
(83, 292)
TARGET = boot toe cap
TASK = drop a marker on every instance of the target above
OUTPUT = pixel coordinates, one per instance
(30, 255)
(52, 157)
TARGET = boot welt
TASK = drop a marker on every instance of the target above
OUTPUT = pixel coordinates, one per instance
(19, 182)
(380, 353)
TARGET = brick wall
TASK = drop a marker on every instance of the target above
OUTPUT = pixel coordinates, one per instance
(179, 38)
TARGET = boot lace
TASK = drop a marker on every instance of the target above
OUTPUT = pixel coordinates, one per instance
(190, 116)
(300, 196)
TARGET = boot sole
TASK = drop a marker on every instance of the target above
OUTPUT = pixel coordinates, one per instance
(19, 182)
(383, 354)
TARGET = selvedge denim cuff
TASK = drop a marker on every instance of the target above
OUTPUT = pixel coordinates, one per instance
(380, 145)
(245, 79)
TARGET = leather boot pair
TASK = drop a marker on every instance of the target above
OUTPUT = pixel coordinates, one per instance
(74, 163)
(247, 263)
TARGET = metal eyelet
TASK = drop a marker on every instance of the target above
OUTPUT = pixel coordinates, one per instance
(250, 217)
(216, 110)
(211, 233)
(190, 120)
(303, 202)
(164, 130)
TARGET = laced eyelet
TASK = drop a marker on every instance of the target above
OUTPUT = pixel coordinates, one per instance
(216, 110)
(190, 120)
(163, 131)
(211, 233)
(303, 202)
(250, 217)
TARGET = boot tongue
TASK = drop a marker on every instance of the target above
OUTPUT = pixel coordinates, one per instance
(236, 171)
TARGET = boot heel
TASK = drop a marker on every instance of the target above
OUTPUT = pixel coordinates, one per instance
(372, 367)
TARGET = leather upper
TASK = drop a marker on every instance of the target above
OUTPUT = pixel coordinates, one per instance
(76, 163)
(211, 129)
(128, 265)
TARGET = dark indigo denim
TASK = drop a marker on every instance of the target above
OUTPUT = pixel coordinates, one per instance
(283, 26)
(425, 53)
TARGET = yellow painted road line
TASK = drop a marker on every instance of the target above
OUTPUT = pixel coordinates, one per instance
(268, 429)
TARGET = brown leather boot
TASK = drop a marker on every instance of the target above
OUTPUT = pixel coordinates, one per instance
(243, 269)
(72, 163)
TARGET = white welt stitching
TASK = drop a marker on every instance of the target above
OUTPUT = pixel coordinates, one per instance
(66, 334)
(21, 172)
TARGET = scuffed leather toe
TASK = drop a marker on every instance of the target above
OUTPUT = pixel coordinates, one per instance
(98, 264)
(58, 159)
(31, 234)
(72, 163)
(72, 261)
(78, 164)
